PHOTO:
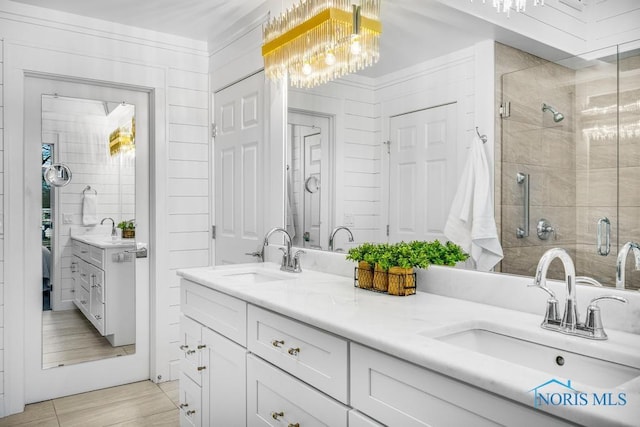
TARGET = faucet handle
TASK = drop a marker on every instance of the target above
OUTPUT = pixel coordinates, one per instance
(551, 314)
(593, 322)
(296, 261)
(586, 280)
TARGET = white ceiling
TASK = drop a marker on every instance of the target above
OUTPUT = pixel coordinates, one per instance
(411, 34)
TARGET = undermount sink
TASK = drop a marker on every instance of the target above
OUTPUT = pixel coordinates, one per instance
(256, 276)
(557, 362)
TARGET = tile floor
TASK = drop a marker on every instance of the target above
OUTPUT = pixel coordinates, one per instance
(133, 405)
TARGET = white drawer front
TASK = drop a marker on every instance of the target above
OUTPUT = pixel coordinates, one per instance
(191, 359)
(96, 256)
(398, 393)
(275, 398)
(80, 249)
(190, 403)
(222, 313)
(310, 354)
(356, 419)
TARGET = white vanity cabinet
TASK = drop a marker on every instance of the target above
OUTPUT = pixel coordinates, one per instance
(213, 357)
(104, 289)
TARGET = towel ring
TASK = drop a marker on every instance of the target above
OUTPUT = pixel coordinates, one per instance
(88, 188)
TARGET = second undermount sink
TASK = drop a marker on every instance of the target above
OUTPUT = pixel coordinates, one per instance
(256, 275)
(557, 362)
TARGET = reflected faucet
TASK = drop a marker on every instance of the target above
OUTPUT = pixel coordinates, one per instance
(113, 226)
(333, 235)
(622, 261)
(289, 263)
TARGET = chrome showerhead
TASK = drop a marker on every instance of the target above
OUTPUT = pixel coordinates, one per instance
(557, 116)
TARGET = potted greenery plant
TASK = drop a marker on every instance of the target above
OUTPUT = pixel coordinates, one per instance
(128, 229)
(364, 256)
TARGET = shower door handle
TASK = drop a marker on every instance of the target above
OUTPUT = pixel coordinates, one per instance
(603, 243)
(523, 179)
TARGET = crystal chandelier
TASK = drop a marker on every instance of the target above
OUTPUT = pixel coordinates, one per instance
(519, 5)
(316, 41)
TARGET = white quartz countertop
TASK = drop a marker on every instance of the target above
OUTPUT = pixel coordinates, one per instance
(406, 327)
(105, 242)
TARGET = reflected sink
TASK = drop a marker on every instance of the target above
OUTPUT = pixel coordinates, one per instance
(256, 276)
(577, 367)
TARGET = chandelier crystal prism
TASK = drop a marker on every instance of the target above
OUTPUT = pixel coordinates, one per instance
(317, 41)
(518, 5)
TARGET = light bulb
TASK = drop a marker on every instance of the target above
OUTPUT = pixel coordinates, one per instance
(307, 69)
(356, 47)
(330, 57)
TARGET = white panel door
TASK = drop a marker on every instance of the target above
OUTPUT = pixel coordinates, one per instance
(423, 173)
(238, 154)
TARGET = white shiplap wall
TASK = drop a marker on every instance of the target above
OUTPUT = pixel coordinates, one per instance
(188, 188)
(1, 224)
(179, 194)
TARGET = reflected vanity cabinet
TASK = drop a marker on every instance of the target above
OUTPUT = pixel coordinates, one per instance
(104, 289)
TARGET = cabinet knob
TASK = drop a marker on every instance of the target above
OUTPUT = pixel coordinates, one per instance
(97, 316)
(190, 351)
(294, 425)
(201, 346)
(184, 405)
(201, 368)
(184, 347)
(277, 343)
(191, 412)
(294, 351)
(276, 415)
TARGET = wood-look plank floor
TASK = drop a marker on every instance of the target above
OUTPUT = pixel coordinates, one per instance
(133, 405)
(69, 338)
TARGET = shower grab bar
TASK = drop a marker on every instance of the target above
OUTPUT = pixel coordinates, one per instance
(523, 179)
(603, 224)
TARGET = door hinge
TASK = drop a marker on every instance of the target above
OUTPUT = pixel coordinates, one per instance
(387, 230)
(505, 109)
(214, 130)
(388, 144)
(213, 231)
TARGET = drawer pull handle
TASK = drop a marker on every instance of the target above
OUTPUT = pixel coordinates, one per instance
(201, 346)
(294, 351)
(276, 415)
(191, 412)
(97, 316)
(294, 425)
(190, 351)
(277, 343)
(201, 368)
(184, 347)
(183, 405)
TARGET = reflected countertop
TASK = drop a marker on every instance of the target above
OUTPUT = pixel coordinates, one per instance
(105, 242)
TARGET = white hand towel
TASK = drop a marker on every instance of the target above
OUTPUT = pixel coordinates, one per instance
(471, 222)
(89, 207)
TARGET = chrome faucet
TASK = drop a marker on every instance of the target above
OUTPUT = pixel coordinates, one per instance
(592, 328)
(570, 317)
(113, 226)
(289, 263)
(622, 261)
(333, 235)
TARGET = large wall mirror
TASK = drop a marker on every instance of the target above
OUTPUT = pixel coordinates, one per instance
(580, 155)
(88, 266)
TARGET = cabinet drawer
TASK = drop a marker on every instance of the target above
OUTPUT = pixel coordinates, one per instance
(222, 313)
(275, 398)
(191, 358)
(190, 403)
(96, 256)
(80, 249)
(396, 392)
(314, 356)
(356, 419)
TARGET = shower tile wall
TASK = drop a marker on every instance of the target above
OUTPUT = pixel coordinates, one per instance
(534, 144)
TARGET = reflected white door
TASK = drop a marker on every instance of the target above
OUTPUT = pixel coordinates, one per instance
(238, 154)
(42, 384)
(423, 173)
